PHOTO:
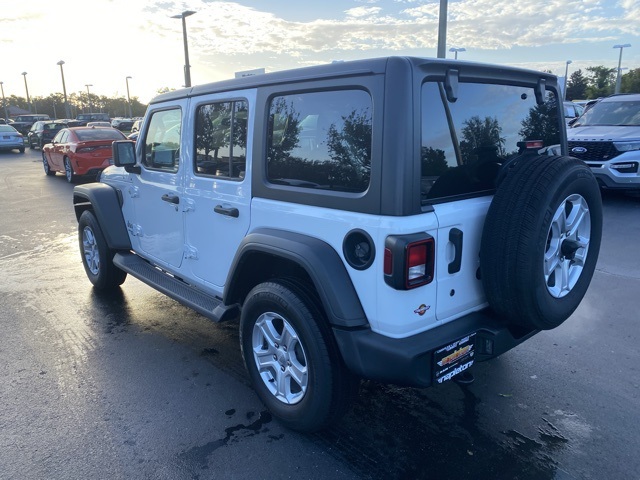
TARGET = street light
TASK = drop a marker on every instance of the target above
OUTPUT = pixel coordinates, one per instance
(187, 67)
(89, 96)
(129, 97)
(456, 50)
(566, 72)
(4, 104)
(24, 74)
(626, 45)
(67, 114)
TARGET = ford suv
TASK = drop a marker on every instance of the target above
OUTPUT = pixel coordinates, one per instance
(396, 219)
(607, 138)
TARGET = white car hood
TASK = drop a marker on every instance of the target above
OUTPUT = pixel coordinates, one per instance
(608, 133)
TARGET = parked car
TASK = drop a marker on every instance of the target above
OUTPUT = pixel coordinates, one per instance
(23, 123)
(98, 124)
(136, 126)
(571, 111)
(607, 138)
(84, 118)
(42, 132)
(122, 124)
(79, 151)
(346, 247)
(11, 139)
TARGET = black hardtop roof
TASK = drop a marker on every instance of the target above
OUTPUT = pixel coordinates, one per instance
(335, 69)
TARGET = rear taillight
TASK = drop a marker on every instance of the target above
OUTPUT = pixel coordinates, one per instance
(409, 260)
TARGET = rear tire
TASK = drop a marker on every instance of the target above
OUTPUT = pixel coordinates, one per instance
(97, 257)
(541, 241)
(292, 358)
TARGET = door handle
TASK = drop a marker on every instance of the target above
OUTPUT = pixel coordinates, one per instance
(229, 212)
(455, 237)
(171, 198)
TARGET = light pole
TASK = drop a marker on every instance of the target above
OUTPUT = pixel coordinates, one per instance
(566, 72)
(456, 50)
(442, 29)
(4, 104)
(618, 79)
(129, 97)
(187, 67)
(89, 96)
(64, 91)
(24, 74)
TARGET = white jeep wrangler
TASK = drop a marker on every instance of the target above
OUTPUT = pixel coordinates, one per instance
(396, 219)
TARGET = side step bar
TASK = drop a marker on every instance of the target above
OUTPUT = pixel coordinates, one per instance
(203, 303)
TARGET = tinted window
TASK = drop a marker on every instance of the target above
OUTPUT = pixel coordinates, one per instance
(321, 140)
(221, 139)
(98, 134)
(162, 142)
(465, 143)
(617, 112)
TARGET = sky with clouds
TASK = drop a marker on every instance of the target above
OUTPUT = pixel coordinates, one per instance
(104, 41)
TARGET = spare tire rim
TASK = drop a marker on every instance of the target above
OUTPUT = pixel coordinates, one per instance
(280, 358)
(567, 245)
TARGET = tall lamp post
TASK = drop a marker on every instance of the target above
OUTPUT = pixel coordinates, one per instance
(187, 67)
(89, 96)
(566, 72)
(129, 97)
(4, 103)
(456, 50)
(24, 74)
(618, 78)
(67, 114)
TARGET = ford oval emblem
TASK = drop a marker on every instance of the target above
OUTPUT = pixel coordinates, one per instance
(578, 150)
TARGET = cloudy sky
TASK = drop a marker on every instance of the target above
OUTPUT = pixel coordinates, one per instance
(104, 41)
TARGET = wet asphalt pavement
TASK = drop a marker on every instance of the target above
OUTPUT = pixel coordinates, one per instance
(134, 385)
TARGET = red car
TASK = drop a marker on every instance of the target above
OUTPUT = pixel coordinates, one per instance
(79, 151)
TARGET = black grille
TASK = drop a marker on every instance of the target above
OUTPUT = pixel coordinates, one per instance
(595, 151)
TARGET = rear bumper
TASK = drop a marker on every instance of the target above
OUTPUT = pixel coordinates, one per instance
(409, 361)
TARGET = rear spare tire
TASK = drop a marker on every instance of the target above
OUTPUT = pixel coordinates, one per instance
(541, 240)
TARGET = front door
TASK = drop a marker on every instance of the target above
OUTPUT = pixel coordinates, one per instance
(158, 192)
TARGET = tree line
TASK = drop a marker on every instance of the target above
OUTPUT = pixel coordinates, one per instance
(80, 102)
(599, 82)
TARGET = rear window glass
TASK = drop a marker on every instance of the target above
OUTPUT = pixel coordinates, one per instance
(465, 143)
(321, 140)
(98, 134)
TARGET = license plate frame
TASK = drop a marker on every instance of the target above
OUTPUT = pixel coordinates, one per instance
(454, 358)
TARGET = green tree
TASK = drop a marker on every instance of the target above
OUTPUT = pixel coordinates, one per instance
(630, 82)
(577, 86)
(480, 136)
(601, 81)
(542, 123)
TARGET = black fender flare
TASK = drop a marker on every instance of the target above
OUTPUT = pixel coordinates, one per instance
(106, 203)
(317, 258)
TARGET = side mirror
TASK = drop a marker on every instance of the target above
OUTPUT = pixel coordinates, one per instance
(124, 155)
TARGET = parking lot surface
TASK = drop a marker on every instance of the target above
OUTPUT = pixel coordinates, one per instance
(134, 385)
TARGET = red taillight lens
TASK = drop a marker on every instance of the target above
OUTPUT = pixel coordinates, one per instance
(409, 260)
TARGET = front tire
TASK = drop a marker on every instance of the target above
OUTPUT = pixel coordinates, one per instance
(97, 257)
(47, 167)
(541, 240)
(292, 358)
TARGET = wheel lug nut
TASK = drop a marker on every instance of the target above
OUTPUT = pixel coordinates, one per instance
(282, 368)
(275, 357)
(277, 346)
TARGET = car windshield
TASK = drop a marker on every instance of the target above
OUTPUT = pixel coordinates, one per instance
(7, 129)
(98, 134)
(617, 112)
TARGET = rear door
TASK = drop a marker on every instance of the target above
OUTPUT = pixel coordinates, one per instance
(218, 194)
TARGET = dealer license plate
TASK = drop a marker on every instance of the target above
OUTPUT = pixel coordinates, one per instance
(453, 358)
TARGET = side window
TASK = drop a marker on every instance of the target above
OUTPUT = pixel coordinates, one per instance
(221, 139)
(321, 140)
(465, 143)
(162, 141)
(61, 137)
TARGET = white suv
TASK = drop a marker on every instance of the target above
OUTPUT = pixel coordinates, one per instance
(396, 219)
(607, 138)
